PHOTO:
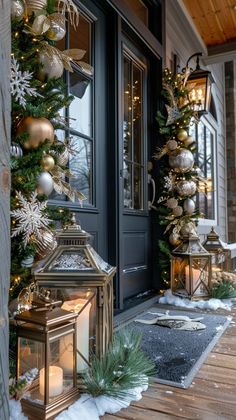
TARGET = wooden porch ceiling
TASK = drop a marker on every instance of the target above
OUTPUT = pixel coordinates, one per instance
(215, 21)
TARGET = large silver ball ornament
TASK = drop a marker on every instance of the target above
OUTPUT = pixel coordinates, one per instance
(56, 31)
(181, 161)
(47, 245)
(188, 229)
(45, 183)
(185, 187)
(17, 9)
(52, 67)
(189, 206)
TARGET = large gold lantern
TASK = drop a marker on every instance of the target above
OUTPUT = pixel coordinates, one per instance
(199, 83)
(191, 269)
(78, 276)
(220, 256)
(46, 337)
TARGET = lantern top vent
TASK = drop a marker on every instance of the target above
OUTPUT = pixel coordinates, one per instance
(213, 241)
(72, 234)
(190, 246)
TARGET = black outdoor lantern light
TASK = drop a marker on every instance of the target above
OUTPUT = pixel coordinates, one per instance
(199, 83)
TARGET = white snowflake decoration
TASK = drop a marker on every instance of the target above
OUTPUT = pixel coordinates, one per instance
(20, 83)
(169, 182)
(30, 218)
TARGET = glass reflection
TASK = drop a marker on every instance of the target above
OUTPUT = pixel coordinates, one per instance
(80, 164)
(80, 110)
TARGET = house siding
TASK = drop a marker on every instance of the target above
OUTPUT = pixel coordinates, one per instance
(181, 39)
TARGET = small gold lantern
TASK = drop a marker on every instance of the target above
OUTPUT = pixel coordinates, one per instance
(220, 256)
(78, 276)
(191, 269)
(46, 337)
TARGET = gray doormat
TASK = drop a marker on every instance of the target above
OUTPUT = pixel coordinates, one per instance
(179, 354)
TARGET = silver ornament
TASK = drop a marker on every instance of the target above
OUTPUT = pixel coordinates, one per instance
(189, 206)
(174, 239)
(181, 161)
(34, 5)
(188, 228)
(27, 262)
(56, 32)
(185, 187)
(45, 183)
(17, 9)
(52, 67)
(178, 211)
(16, 150)
(47, 244)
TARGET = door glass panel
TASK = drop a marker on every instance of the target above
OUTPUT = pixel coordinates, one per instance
(139, 9)
(80, 110)
(80, 165)
(127, 123)
(137, 113)
(133, 133)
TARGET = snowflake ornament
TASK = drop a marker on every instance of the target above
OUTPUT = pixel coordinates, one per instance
(30, 218)
(20, 83)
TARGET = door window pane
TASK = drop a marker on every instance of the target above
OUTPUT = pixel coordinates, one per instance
(81, 37)
(80, 165)
(139, 9)
(80, 110)
(133, 133)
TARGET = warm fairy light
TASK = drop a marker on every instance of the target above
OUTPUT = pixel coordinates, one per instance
(16, 34)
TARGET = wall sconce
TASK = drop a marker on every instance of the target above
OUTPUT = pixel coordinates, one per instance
(191, 269)
(199, 83)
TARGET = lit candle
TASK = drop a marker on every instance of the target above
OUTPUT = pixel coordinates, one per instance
(55, 381)
(195, 279)
(82, 344)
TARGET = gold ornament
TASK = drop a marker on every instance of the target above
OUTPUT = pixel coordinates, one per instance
(47, 162)
(172, 145)
(52, 67)
(182, 134)
(189, 140)
(47, 244)
(17, 9)
(172, 203)
(188, 228)
(174, 239)
(38, 129)
(33, 5)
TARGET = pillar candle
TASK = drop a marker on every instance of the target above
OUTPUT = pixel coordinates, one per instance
(55, 381)
(195, 279)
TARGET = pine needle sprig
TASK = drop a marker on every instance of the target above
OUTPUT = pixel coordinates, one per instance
(224, 289)
(121, 369)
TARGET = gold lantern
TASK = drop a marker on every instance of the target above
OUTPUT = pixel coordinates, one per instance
(46, 339)
(199, 83)
(220, 256)
(191, 269)
(78, 276)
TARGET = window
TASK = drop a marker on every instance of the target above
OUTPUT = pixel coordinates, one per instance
(205, 135)
(79, 114)
(133, 133)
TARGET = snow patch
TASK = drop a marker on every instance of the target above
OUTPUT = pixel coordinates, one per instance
(212, 304)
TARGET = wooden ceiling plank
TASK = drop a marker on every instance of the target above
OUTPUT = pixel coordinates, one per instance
(225, 18)
(218, 20)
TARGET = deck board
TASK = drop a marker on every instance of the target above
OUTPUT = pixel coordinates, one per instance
(211, 396)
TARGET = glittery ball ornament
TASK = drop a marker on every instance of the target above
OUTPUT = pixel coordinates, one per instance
(178, 211)
(182, 134)
(172, 145)
(38, 129)
(181, 160)
(174, 239)
(186, 187)
(52, 67)
(171, 203)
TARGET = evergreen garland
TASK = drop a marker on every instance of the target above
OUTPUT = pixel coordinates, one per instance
(174, 123)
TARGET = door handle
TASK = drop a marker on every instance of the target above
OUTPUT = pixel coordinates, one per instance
(152, 183)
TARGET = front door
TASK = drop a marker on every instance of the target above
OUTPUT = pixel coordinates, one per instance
(134, 233)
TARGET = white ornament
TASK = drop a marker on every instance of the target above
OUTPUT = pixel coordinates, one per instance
(189, 206)
(45, 183)
(20, 84)
(30, 218)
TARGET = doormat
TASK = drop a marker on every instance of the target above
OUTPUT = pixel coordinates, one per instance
(179, 354)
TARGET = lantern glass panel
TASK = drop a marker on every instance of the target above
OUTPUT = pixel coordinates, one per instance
(190, 276)
(198, 93)
(83, 302)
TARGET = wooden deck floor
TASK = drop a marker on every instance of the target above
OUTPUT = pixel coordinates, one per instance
(212, 395)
